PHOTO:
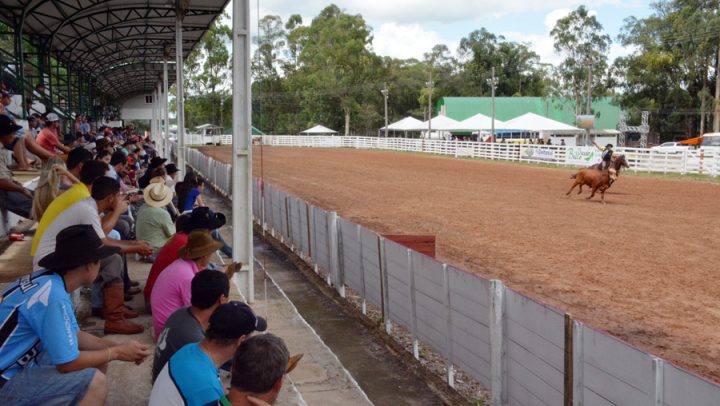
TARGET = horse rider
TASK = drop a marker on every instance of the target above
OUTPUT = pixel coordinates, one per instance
(607, 154)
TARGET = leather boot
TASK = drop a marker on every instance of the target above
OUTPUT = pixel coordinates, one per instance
(113, 310)
(128, 312)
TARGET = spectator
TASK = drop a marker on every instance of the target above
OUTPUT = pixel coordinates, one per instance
(259, 366)
(48, 186)
(104, 156)
(154, 163)
(49, 137)
(171, 176)
(202, 218)
(13, 196)
(172, 288)
(190, 376)
(153, 220)
(189, 192)
(44, 357)
(23, 141)
(116, 170)
(105, 196)
(209, 289)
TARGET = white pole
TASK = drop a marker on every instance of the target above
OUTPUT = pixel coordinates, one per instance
(157, 137)
(166, 104)
(153, 120)
(180, 94)
(242, 150)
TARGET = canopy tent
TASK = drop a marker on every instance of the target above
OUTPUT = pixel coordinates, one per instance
(535, 123)
(440, 123)
(482, 122)
(406, 124)
(318, 130)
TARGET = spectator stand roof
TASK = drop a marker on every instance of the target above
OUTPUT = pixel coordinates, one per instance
(119, 43)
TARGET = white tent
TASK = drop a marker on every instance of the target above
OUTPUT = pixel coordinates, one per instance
(406, 124)
(535, 123)
(441, 123)
(482, 122)
(318, 130)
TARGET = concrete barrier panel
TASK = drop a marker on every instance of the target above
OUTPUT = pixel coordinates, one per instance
(534, 343)
(429, 305)
(322, 255)
(371, 265)
(684, 388)
(398, 280)
(350, 255)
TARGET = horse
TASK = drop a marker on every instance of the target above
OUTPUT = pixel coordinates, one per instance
(597, 180)
(617, 164)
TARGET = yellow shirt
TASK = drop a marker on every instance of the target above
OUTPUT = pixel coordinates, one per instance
(77, 192)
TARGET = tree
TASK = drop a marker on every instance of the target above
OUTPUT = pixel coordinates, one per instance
(581, 39)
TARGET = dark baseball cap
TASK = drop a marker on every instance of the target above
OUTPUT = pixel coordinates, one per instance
(7, 126)
(235, 319)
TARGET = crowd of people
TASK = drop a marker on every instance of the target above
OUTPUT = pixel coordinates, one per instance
(103, 194)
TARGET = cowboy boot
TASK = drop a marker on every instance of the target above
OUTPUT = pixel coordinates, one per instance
(113, 310)
(128, 312)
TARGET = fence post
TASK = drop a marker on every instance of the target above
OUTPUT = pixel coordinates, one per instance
(497, 343)
(413, 305)
(339, 257)
(568, 361)
(313, 240)
(658, 367)
(578, 384)
(448, 328)
(385, 294)
(288, 227)
(362, 267)
(330, 249)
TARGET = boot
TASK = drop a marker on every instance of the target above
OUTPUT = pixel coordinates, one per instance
(113, 310)
(128, 312)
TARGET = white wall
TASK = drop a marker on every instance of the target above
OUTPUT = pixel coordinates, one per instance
(135, 108)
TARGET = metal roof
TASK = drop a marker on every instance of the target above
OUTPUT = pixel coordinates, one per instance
(120, 43)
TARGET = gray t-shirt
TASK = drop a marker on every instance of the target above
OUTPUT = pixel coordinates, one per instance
(180, 328)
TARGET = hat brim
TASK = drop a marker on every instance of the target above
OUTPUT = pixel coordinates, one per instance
(57, 261)
(157, 163)
(156, 203)
(215, 246)
(14, 128)
(260, 323)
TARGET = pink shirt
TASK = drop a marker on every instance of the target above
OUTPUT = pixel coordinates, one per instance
(48, 139)
(171, 291)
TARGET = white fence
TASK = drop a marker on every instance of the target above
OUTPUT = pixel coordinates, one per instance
(524, 351)
(639, 159)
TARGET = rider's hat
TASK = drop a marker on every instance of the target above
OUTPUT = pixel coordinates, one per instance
(609, 146)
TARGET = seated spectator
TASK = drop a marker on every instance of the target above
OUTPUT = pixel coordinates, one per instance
(44, 357)
(116, 170)
(48, 186)
(153, 221)
(189, 192)
(172, 288)
(49, 137)
(190, 376)
(105, 196)
(209, 289)
(75, 161)
(156, 162)
(13, 196)
(259, 366)
(103, 156)
(201, 218)
(171, 176)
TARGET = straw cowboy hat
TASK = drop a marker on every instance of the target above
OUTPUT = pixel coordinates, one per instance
(157, 195)
(200, 243)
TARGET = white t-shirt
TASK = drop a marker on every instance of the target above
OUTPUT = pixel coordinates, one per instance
(83, 211)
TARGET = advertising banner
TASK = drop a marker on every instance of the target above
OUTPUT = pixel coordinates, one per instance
(545, 154)
(582, 156)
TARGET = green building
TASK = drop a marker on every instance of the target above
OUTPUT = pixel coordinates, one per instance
(607, 115)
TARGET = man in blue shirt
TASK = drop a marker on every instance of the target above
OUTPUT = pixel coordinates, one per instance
(191, 376)
(44, 357)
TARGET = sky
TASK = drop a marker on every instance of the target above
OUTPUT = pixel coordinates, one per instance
(409, 28)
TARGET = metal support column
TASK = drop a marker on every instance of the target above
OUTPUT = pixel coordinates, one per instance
(20, 65)
(166, 108)
(242, 150)
(153, 120)
(180, 93)
(159, 141)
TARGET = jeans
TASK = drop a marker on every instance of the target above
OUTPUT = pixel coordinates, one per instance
(226, 249)
(111, 273)
(16, 202)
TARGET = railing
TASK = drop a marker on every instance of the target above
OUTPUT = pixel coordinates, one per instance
(640, 159)
(526, 352)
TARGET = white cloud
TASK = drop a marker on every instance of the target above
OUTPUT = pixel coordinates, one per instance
(406, 41)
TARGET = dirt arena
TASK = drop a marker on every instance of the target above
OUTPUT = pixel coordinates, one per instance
(645, 267)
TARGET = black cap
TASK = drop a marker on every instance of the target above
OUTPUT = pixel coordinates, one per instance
(609, 146)
(204, 218)
(235, 319)
(171, 168)
(7, 126)
(75, 246)
(155, 162)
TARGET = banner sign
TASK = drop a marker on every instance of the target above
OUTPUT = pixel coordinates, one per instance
(582, 156)
(585, 122)
(544, 154)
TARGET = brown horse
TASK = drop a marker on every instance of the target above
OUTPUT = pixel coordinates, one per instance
(617, 164)
(594, 179)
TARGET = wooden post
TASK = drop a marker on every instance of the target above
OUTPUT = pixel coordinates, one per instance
(578, 384)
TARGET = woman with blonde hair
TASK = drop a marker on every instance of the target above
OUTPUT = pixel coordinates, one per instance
(48, 187)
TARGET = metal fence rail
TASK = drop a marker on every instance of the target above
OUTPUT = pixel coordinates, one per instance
(524, 351)
(640, 159)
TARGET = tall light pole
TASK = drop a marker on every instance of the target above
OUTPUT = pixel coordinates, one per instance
(493, 82)
(430, 90)
(589, 89)
(384, 92)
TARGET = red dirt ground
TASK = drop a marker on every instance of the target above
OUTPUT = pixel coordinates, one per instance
(643, 267)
